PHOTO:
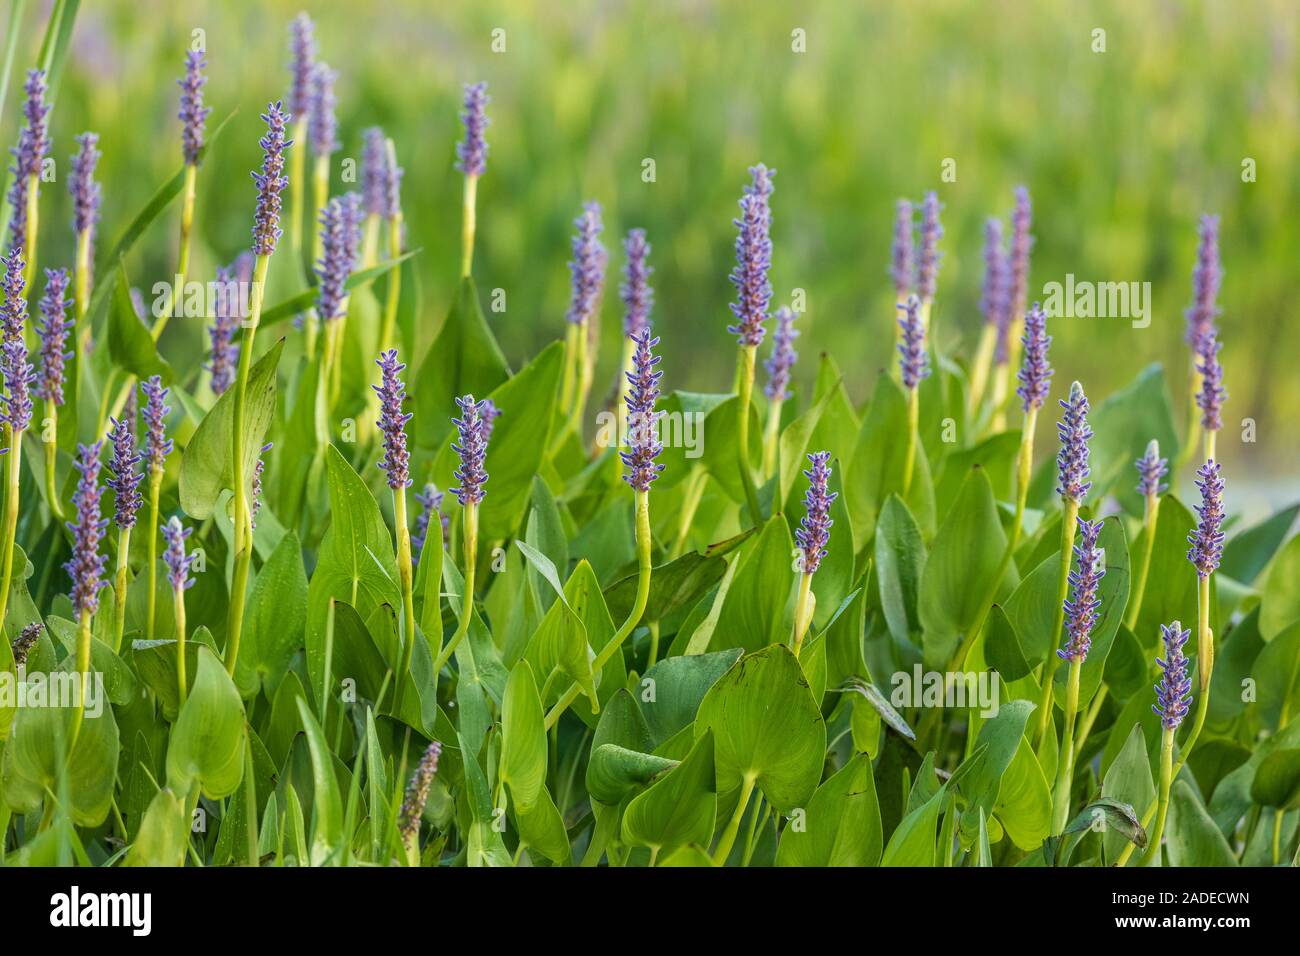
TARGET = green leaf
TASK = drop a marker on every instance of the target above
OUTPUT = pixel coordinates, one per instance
(1249, 551)
(1170, 593)
(1128, 781)
(900, 558)
(913, 843)
(721, 450)
(130, 344)
(207, 742)
(673, 585)
(304, 300)
(1277, 781)
(768, 727)
(327, 834)
(842, 823)
(274, 621)
(523, 738)
(206, 463)
(875, 471)
(1280, 603)
(1277, 676)
(164, 833)
(1193, 839)
(614, 772)
(1110, 816)
(880, 704)
(1024, 803)
(678, 809)
(997, 744)
(674, 688)
(753, 614)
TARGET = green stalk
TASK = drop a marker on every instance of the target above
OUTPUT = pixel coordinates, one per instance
(1193, 418)
(728, 838)
(155, 489)
(569, 379)
(83, 669)
(81, 290)
(1065, 763)
(11, 515)
(33, 227)
(913, 438)
(243, 514)
(469, 223)
(772, 437)
(1150, 518)
(629, 357)
(1162, 811)
(469, 536)
(388, 339)
(370, 240)
(1210, 435)
(1024, 470)
(297, 193)
(582, 369)
(801, 612)
(51, 459)
(406, 576)
(980, 369)
(1069, 519)
(615, 643)
(745, 391)
(182, 679)
(183, 259)
(1001, 375)
(120, 586)
(696, 481)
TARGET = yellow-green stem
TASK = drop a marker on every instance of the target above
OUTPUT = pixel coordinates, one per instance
(913, 439)
(120, 585)
(629, 359)
(1001, 374)
(151, 604)
(1069, 518)
(33, 227)
(1024, 470)
(801, 615)
(615, 643)
(183, 259)
(745, 391)
(51, 427)
(582, 378)
(182, 678)
(406, 577)
(690, 503)
(728, 838)
(1162, 805)
(83, 671)
(1065, 762)
(1193, 417)
(320, 198)
(980, 368)
(370, 240)
(1210, 436)
(81, 288)
(569, 379)
(1090, 718)
(297, 190)
(469, 221)
(388, 338)
(14, 461)
(469, 536)
(771, 437)
(1150, 519)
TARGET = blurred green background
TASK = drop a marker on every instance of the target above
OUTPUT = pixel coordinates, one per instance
(1122, 151)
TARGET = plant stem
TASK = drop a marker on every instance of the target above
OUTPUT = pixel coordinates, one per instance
(1000, 377)
(183, 259)
(406, 576)
(980, 369)
(469, 535)
(243, 514)
(728, 838)
(83, 669)
(582, 372)
(81, 291)
(297, 192)
(1193, 418)
(1069, 518)
(615, 643)
(1150, 518)
(155, 489)
(1024, 470)
(469, 223)
(388, 338)
(913, 439)
(370, 240)
(745, 391)
(182, 678)
(772, 437)
(690, 503)
(33, 227)
(1090, 718)
(120, 586)
(51, 459)
(1210, 435)
(11, 515)
(1162, 811)
(801, 615)
(1065, 762)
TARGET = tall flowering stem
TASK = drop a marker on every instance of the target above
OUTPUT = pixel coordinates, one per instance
(302, 50)
(178, 573)
(902, 265)
(779, 367)
(638, 298)
(18, 377)
(1205, 553)
(414, 801)
(86, 566)
(266, 233)
(396, 463)
(340, 236)
(392, 212)
(193, 116)
(474, 428)
(753, 297)
(587, 269)
(914, 365)
(1210, 396)
(1035, 377)
(124, 466)
(1021, 242)
(374, 162)
(1073, 486)
(1173, 694)
(1081, 614)
(322, 137)
(811, 537)
(224, 353)
(1201, 315)
(471, 160)
(927, 267)
(994, 305)
(85, 203)
(29, 155)
(641, 470)
(54, 332)
(157, 446)
(1151, 469)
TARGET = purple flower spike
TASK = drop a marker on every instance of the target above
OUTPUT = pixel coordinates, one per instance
(392, 185)
(178, 562)
(258, 469)
(753, 258)
(225, 353)
(913, 361)
(374, 171)
(392, 421)
(588, 265)
(322, 122)
(53, 332)
(18, 372)
(1035, 373)
(302, 45)
(26, 641)
(270, 181)
(927, 272)
(780, 365)
(34, 139)
(642, 419)
(996, 303)
(1210, 397)
(157, 446)
(1206, 277)
(471, 152)
(86, 566)
(1206, 538)
(1081, 608)
(1151, 468)
(340, 236)
(81, 183)
(814, 531)
(417, 794)
(431, 501)
(638, 297)
(902, 266)
(1021, 242)
(126, 478)
(1072, 459)
(1174, 692)
(193, 113)
(475, 427)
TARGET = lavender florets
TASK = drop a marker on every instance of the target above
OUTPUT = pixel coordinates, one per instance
(1081, 608)
(1151, 468)
(178, 562)
(1206, 538)
(927, 272)
(781, 364)
(638, 297)
(18, 372)
(340, 236)
(34, 139)
(302, 44)
(86, 566)
(392, 421)
(225, 353)
(1174, 692)
(1021, 242)
(126, 478)
(193, 114)
(431, 502)
(474, 427)
(157, 446)
(374, 171)
(588, 265)
(322, 122)
(814, 531)
(902, 265)
(1072, 459)
(53, 331)
(82, 185)
(1210, 397)
(995, 302)
(270, 181)
(1035, 373)
(642, 419)
(471, 152)
(417, 794)
(256, 486)
(913, 359)
(1206, 277)
(753, 259)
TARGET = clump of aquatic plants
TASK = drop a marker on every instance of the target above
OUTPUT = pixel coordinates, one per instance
(831, 635)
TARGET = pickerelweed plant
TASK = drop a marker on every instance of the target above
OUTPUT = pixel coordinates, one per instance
(557, 673)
